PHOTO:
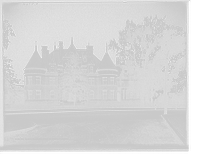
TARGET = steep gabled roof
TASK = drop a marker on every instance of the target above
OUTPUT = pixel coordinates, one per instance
(95, 60)
(71, 49)
(107, 63)
(35, 61)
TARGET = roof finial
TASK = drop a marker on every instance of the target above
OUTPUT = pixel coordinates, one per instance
(72, 41)
(106, 48)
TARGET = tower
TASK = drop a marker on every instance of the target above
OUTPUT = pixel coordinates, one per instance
(108, 74)
(34, 78)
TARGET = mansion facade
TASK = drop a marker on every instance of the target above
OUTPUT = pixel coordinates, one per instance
(71, 75)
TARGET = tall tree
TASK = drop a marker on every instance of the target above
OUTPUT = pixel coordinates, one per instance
(9, 79)
(138, 45)
(74, 80)
(158, 54)
(7, 32)
(172, 47)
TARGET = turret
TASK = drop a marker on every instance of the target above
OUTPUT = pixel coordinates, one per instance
(108, 73)
(34, 78)
(107, 66)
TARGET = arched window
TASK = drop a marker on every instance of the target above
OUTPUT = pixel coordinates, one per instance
(52, 94)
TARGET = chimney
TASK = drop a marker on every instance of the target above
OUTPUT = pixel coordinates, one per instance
(45, 52)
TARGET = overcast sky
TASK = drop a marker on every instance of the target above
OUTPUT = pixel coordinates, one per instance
(93, 23)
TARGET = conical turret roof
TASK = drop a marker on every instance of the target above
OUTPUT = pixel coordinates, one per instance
(106, 63)
(35, 61)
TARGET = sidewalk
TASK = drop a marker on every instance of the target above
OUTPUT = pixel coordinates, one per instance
(177, 121)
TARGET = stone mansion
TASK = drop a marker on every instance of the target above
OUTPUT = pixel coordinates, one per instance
(72, 74)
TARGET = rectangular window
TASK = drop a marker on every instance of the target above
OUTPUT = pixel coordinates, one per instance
(92, 81)
(29, 80)
(104, 80)
(30, 94)
(112, 80)
(52, 80)
(104, 95)
(112, 94)
(91, 94)
(52, 94)
(38, 94)
(38, 80)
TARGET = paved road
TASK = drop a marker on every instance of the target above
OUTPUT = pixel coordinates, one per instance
(92, 129)
(20, 120)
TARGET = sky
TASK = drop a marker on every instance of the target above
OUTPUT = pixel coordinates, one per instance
(93, 23)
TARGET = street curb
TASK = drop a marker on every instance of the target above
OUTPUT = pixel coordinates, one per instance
(70, 111)
(183, 140)
(21, 129)
(78, 110)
